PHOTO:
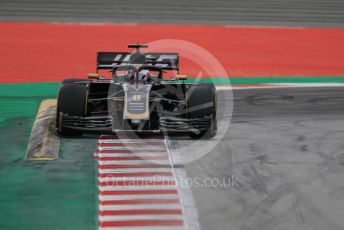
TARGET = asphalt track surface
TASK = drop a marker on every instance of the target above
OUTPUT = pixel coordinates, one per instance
(284, 149)
(227, 12)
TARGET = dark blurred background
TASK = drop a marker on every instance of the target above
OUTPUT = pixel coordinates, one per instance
(321, 13)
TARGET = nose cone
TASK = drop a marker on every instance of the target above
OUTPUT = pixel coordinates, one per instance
(136, 104)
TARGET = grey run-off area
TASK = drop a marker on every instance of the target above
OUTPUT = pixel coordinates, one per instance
(225, 12)
(285, 148)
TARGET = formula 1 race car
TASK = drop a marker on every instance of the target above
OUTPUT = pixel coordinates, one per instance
(137, 98)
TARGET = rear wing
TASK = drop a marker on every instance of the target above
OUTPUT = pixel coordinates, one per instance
(167, 61)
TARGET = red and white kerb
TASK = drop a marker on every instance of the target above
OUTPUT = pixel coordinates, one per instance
(137, 186)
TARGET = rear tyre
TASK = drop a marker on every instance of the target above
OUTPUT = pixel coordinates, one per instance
(72, 101)
(201, 102)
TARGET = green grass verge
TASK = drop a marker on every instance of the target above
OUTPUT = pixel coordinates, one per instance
(45, 89)
(42, 195)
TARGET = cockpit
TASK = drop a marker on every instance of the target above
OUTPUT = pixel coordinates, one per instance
(131, 73)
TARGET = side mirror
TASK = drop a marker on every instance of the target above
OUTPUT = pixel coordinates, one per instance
(93, 76)
(181, 77)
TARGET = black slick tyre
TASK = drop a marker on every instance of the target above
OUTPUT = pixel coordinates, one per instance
(71, 101)
(201, 103)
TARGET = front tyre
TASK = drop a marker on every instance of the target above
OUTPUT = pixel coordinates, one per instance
(71, 100)
(201, 103)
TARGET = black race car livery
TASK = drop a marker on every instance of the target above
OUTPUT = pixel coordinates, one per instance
(137, 98)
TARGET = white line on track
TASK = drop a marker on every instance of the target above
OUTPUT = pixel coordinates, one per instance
(143, 154)
(189, 208)
(136, 187)
(136, 179)
(138, 141)
(141, 217)
(133, 162)
(138, 207)
(143, 228)
(140, 196)
(117, 170)
(132, 148)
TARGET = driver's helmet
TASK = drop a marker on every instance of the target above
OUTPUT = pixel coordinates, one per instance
(131, 75)
(144, 76)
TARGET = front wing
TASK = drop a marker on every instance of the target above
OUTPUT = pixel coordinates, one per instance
(104, 124)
